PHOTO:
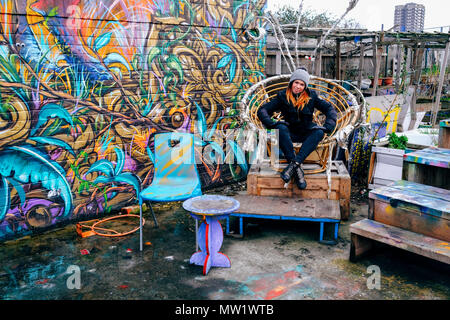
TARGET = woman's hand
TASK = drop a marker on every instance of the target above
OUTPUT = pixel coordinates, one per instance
(277, 123)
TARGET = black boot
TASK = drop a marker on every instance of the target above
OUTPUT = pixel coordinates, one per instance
(288, 172)
(299, 177)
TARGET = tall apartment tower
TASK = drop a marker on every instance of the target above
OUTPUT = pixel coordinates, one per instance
(409, 17)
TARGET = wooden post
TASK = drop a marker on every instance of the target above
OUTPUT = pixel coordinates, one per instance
(318, 63)
(362, 47)
(338, 60)
(377, 52)
(415, 78)
(399, 67)
(386, 62)
(441, 82)
(418, 57)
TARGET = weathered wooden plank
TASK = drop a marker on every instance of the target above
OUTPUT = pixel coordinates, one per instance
(313, 183)
(288, 207)
(274, 192)
(316, 194)
(411, 241)
(251, 182)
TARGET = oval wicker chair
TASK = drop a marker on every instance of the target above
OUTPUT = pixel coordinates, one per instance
(346, 104)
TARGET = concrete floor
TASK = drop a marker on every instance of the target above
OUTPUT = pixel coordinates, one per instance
(275, 260)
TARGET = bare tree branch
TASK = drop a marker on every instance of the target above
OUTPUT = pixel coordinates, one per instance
(300, 8)
(351, 5)
(277, 25)
(275, 31)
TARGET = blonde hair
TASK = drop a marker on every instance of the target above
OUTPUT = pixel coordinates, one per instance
(300, 102)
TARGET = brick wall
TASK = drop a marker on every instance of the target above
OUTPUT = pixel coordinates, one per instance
(85, 85)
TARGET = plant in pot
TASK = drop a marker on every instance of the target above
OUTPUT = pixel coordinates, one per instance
(387, 81)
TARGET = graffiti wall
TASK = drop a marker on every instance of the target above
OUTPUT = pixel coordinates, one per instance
(86, 84)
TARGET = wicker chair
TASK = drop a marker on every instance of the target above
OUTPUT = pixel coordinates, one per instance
(347, 107)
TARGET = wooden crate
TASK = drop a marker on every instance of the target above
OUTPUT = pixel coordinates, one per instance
(412, 206)
(263, 180)
(430, 166)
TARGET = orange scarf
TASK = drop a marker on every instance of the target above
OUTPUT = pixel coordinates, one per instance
(300, 102)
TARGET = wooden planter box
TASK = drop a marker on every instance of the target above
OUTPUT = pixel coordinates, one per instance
(263, 180)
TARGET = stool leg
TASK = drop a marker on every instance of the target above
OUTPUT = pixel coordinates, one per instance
(241, 226)
(196, 237)
(336, 230)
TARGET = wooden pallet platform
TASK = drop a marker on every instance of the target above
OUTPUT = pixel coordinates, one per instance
(365, 232)
(412, 206)
(283, 208)
(263, 180)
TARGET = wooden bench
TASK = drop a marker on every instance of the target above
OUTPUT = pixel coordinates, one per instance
(363, 234)
(430, 166)
(283, 208)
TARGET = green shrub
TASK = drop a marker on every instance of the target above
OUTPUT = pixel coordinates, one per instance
(397, 142)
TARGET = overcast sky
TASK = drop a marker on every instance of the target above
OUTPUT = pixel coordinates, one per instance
(371, 14)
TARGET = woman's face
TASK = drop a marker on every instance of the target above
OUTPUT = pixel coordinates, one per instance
(298, 86)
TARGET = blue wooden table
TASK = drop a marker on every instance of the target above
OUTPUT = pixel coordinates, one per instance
(209, 209)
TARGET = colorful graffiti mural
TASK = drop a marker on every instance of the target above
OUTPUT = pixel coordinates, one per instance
(85, 85)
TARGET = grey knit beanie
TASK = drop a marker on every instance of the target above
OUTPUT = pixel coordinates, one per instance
(300, 74)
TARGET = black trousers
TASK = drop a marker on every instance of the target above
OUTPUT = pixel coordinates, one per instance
(309, 139)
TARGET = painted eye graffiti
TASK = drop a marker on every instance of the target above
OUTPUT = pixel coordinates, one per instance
(38, 217)
(177, 119)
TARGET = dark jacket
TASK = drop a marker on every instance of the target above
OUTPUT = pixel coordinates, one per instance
(298, 120)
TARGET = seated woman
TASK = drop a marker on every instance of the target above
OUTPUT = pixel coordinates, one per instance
(296, 105)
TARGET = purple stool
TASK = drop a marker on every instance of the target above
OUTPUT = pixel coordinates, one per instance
(209, 209)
